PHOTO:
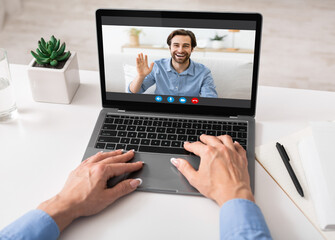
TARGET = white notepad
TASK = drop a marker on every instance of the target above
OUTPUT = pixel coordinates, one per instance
(318, 160)
(268, 157)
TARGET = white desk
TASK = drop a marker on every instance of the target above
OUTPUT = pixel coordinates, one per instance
(47, 141)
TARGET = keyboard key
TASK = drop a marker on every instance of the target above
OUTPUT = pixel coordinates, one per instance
(125, 140)
(216, 127)
(131, 134)
(187, 125)
(109, 120)
(167, 124)
(155, 149)
(161, 136)
(196, 126)
(110, 146)
(132, 147)
(181, 131)
(131, 128)
(140, 128)
(172, 137)
(157, 124)
(135, 141)
(170, 130)
(109, 139)
(155, 142)
(161, 129)
(121, 127)
(207, 126)
(226, 127)
(165, 143)
(142, 135)
(200, 132)
(192, 138)
(182, 137)
(108, 133)
(176, 124)
(240, 128)
(109, 126)
(121, 134)
(242, 141)
(152, 135)
(118, 121)
(190, 131)
(176, 144)
(242, 135)
(128, 122)
(121, 146)
(211, 132)
(151, 129)
(145, 142)
(138, 122)
(100, 145)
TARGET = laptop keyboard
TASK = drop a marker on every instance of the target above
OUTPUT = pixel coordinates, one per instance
(162, 135)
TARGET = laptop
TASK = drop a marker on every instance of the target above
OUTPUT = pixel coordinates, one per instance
(203, 80)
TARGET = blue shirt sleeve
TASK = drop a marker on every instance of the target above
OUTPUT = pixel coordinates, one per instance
(208, 87)
(36, 224)
(242, 219)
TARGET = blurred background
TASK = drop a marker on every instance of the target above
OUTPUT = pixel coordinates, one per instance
(297, 51)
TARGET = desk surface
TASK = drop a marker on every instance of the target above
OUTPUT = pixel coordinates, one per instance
(47, 141)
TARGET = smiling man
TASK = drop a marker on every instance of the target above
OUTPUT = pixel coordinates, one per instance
(178, 75)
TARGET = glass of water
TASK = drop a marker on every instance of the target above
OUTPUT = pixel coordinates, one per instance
(7, 100)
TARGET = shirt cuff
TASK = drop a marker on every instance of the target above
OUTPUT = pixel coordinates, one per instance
(242, 219)
(35, 224)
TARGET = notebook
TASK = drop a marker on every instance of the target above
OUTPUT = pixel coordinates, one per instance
(269, 158)
(193, 87)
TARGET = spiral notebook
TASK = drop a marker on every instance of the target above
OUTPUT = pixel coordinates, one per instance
(267, 155)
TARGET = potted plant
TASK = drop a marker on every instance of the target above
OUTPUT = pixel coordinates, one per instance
(53, 73)
(134, 36)
(217, 41)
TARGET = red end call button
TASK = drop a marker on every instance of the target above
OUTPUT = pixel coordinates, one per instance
(195, 100)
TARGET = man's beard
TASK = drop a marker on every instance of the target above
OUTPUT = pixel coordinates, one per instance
(181, 61)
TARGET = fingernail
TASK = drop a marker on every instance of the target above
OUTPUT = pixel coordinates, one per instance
(132, 150)
(174, 161)
(136, 182)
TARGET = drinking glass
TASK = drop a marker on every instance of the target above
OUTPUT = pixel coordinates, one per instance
(7, 100)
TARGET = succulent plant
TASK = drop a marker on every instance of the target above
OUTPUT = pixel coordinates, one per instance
(50, 52)
(218, 38)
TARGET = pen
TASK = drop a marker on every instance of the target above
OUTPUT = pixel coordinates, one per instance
(286, 161)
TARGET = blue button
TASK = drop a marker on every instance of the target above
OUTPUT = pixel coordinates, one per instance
(158, 98)
(182, 100)
(170, 99)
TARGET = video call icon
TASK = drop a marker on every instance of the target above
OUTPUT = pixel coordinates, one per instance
(195, 100)
(170, 99)
(158, 98)
(182, 100)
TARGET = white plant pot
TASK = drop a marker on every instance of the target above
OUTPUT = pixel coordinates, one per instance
(55, 85)
(217, 44)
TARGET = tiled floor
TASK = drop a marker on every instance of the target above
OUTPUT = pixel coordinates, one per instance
(298, 45)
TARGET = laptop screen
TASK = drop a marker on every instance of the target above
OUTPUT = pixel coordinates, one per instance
(179, 61)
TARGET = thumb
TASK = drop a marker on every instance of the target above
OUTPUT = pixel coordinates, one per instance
(185, 168)
(123, 188)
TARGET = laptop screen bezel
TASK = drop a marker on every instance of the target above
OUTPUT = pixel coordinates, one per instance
(179, 108)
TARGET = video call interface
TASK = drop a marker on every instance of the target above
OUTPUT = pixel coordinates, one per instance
(190, 62)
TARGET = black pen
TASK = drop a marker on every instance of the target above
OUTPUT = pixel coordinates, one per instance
(286, 161)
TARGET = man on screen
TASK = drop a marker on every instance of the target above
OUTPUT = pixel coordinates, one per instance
(178, 75)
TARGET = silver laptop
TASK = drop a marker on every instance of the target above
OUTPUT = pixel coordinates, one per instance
(167, 77)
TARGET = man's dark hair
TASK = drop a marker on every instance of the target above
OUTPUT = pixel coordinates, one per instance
(184, 33)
